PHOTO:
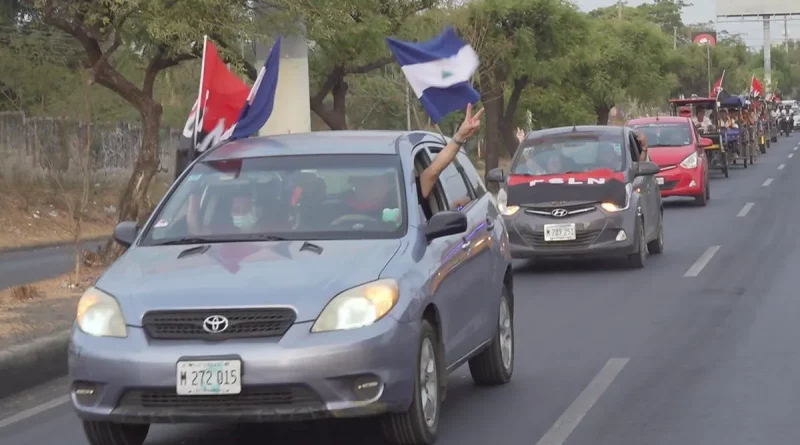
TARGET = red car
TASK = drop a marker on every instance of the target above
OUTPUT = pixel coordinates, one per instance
(673, 144)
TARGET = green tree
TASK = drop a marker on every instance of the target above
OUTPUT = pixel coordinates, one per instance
(522, 44)
(623, 60)
(166, 33)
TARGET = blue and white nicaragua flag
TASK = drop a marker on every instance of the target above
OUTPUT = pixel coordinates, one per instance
(261, 101)
(439, 72)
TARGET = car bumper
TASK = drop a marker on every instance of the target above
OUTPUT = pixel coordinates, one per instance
(596, 235)
(301, 376)
(679, 181)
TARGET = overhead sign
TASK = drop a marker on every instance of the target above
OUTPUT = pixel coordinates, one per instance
(738, 8)
(705, 38)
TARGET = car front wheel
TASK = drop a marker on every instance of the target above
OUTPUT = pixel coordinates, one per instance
(108, 433)
(419, 425)
(495, 364)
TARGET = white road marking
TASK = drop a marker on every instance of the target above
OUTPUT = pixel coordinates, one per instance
(795, 149)
(566, 424)
(767, 183)
(781, 167)
(22, 415)
(746, 209)
(791, 154)
(701, 262)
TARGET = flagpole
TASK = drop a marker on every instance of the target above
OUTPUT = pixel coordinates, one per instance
(708, 60)
(408, 108)
(199, 99)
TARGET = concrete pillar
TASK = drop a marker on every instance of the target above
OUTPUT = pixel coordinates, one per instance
(292, 113)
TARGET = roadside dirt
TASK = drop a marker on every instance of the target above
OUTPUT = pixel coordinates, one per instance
(41, 308)
(36, 213)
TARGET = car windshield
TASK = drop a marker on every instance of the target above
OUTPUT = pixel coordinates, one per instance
(666, 135)
(565, 154)
(284, 197)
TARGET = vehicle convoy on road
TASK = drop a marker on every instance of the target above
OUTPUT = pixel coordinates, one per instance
(581, 191)
(716, 153)
(677, 148)
(297, 277)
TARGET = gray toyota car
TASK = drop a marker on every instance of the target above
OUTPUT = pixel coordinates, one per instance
(297, 277)
(582, 191)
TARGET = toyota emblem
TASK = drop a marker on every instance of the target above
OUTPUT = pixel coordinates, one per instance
(215, 324)
(559, 213)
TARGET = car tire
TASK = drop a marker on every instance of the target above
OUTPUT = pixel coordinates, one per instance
(413, 427)
(638, 259)
(109, 433)
(702, 199)
(495, 364)
(656, 246)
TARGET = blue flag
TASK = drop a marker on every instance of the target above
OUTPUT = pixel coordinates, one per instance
(439, 71)
(261, 102)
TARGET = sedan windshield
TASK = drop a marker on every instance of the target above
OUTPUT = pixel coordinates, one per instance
(284, 197)
(565, 154)
(667, 135)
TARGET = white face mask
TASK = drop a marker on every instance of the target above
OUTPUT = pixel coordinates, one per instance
(244, 221)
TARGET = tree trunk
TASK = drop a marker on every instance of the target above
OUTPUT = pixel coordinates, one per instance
(134, 203)
(507, 129)
(336, 117)
(602, 112)
(493, 100)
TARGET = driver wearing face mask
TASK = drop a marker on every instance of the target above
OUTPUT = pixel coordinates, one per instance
(244, 213)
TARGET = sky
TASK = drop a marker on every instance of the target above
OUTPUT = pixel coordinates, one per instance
(705, 11)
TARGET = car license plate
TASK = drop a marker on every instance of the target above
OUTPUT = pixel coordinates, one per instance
(209, 377)
(559, 232)
(660, 180)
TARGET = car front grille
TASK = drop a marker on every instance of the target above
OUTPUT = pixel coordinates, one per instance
(536, 240)
(242, 323)
(287, 396)
(571, 210)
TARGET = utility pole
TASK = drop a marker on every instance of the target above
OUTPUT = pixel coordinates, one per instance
(674, 37)
(767, 50)
(786, 33)
(619, 8)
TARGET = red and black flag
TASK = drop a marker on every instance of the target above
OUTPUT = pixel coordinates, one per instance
(220, 100)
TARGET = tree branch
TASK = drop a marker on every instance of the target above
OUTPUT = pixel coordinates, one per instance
(363, 69)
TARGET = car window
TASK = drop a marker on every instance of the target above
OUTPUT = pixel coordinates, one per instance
(569, 153)
(291, 197)
(472, 175)
(455, 188)
(667, 135)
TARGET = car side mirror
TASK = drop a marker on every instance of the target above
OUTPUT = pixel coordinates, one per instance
(646, 168)
(445, 223)
(496, 175)
(125, 233)
(706, 142)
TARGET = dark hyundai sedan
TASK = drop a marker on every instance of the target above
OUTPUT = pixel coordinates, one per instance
(582, 191)
(296, 277)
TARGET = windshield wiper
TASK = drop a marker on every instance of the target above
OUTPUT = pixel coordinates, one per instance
(186, 240)
(257, 237)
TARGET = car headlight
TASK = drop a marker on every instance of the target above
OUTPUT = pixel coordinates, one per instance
(690, 162)
(99, 315)
(611, 207)
(358, 307)
(502, 204)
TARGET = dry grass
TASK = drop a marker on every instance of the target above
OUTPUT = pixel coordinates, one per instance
(34, 213)
(40, 308)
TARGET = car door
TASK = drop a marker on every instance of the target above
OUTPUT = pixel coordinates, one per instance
(472, 262)
(447, 258)
(648, 190)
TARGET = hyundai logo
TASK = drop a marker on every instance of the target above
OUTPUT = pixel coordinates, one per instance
(559, 213)
(215, 324)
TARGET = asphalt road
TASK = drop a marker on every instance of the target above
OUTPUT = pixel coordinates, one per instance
(26, 266)
(698, 348)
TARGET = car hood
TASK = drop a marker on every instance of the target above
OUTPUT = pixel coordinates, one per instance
(665, 156)
(231, 275)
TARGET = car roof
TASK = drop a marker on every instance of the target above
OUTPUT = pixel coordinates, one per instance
(693, 100)
(321, 142)
(577, 129)
(658, 120)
